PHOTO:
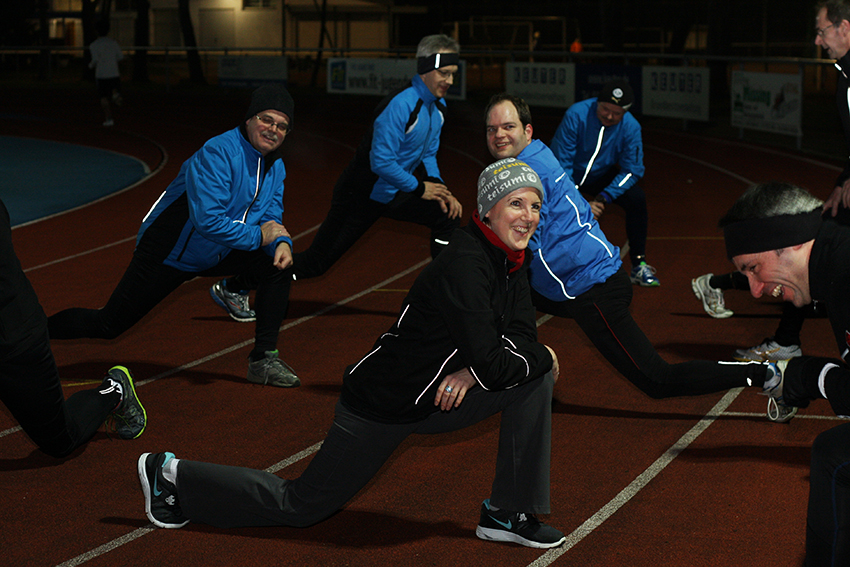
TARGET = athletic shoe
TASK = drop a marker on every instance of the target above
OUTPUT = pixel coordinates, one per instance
(161, 504)
(516, 527)
(129, 419)
(768, 351)
(273, 371)
(236, 304)
(711, 297)
(644, 275)
(777, 410)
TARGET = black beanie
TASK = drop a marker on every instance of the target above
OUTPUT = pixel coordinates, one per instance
(617, 92)
(271, 97)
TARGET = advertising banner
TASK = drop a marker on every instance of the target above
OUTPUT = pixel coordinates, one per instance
(771, 102)
(381, 76)
(676, 92)
(542, 84)
(240, 71)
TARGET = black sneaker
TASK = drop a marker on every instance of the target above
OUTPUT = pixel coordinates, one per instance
(129, 419)
(516, 527)
(161, 503)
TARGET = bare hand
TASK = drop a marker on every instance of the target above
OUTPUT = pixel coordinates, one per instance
(453, 388)
(556, 370)
(282, 256)
(272, 231)
(597, 208)
(440, 193)
(840, 197)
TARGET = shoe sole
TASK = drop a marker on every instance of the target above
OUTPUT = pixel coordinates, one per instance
(637, 281)
(146, 489)
(220, 302)
(491, 534)
(135, 397)
(260, 382)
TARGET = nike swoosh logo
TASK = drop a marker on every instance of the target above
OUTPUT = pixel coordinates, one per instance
(507, 526)
(157, 491)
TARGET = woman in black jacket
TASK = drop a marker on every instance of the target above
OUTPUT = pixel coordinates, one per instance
(463, 348)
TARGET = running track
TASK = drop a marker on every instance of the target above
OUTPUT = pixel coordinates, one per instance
(683, 482)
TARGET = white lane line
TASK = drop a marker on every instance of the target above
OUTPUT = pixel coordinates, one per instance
(289, 325)
(136, 534)
(638, 483)
(151, 174)
(107, 547)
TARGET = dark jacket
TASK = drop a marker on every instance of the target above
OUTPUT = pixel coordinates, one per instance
(463, 311)
(829, 280)
(842, 102)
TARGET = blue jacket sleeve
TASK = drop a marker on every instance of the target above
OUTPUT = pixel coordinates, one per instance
(209, 186)
(387, 137)
(565, 141)
(631, 160)
(275, 210)
(429, 160)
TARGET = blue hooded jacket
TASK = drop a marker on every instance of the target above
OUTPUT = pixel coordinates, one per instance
(587, 150)
(405, 134)
(217, 203)
(571, 253)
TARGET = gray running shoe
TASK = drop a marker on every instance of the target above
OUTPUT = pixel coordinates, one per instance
(273, 371)
(236, 304)
(768, 351)
(712, 298)
(644, 275)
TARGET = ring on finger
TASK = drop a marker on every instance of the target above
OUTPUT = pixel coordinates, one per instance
(448, 389)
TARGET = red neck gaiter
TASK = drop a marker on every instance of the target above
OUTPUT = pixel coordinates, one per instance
(514, 256)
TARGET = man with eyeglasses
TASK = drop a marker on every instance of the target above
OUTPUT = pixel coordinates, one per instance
(832, 33)
(221, 215)
(381, 180)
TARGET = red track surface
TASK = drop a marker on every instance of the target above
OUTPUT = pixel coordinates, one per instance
(684, 482)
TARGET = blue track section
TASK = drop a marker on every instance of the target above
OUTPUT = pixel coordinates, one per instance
(40, 178)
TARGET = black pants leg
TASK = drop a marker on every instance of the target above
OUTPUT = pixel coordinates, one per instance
(271, 302)
(30, 388)
(410, 208)
(633, 203)
(828, 519)
(356, 448)
(603, 314)
(145, 284)
(351, 215)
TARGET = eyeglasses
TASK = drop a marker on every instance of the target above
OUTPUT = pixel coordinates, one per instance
(269, 123)
(820, 32)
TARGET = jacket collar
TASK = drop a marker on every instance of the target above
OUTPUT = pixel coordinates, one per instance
(269, 159)
(496, 253)
(422, 90)
(843, 64)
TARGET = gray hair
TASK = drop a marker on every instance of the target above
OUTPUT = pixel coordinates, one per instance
(770, 199)
(836, 10)
(438, 43)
